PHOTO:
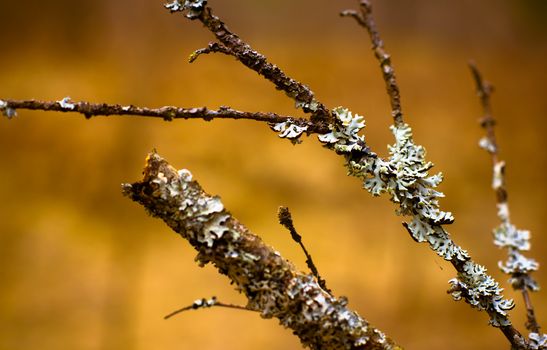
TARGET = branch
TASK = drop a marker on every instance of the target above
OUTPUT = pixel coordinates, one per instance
(272, 284)
(211, 48)
(506, 235)
(167, 113)
(206, 303)
(404, 175)
(364, 18)
(285, 219)
(244, 53)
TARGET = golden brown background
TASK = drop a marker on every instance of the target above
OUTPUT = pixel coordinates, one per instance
(81, 267)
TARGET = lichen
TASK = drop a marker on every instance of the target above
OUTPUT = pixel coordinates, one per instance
(6, 110)
(487, 145)
(315, 305)
(289, 130)
(519, 268)
(482, 292)
(405, 177)
(538, 341)
(194, 7)
(66, 103)
(515, 240)
(204, 216)
(203, 303)
(343, 136)
(311, 106)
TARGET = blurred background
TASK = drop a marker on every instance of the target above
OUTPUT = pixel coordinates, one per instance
(81, 267)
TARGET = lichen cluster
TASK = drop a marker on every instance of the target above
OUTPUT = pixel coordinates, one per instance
(6, 110)
(194, 7)
(203, 217)
(66, 103)
(538, 341)
(404, 176)
(289, 130)
(516, 241)
(519, 267)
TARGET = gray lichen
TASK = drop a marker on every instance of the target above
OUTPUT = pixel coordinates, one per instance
(194, 7)
(516, 241)
(538, 341)
(482, 292)
(486, 144)
(290, 131)
(66, 103)
(6, 110)
(306, 106)
(405, 177)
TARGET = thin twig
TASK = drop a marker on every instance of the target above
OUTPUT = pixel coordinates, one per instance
(206, 303)
(167, 113)
(484, 90)
(211, 48)
(285, 219)
(244, 53)
(364, 18)
(521, 280)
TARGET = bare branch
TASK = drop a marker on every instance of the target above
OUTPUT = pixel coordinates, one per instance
(271, 284)
(285, 219)
(506, 235)
(167, 113)
(364, 18)
(244, 53)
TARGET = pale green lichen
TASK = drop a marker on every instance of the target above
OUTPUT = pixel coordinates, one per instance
(6, 110)
(194, 7)
(487, 145)
(203, 303)
(205, 215)
(405, 177)
(336, 316)
(343, 137)
(516, 241)
(538, 341)
(66, 103)
(482, 292)
(289, 130)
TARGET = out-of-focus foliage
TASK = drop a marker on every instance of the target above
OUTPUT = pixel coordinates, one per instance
(82, 267)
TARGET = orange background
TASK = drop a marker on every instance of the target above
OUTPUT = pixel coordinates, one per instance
(81, 267)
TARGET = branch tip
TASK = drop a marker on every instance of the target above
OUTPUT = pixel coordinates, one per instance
(285, 219)
(365, 19)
